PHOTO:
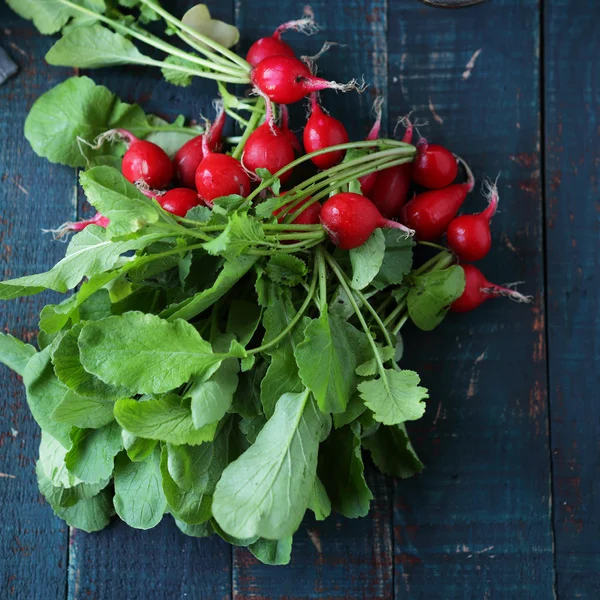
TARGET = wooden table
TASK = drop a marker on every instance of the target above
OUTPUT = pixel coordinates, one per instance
(509, 505)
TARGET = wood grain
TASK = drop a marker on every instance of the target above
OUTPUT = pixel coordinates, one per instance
(572, 105)
(476, 523)
(338, 558)
(33, 194)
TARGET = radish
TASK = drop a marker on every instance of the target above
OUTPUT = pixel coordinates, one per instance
(478, 289)
(190, 155)
(469, 236)
(434, 167)
(322, 131)
(144, 161)
(368, 181)
(71, 226)
(274, 45)
(309, 216)
(220, 175)
(285, 128)
(350, 219)
(179, 201)
(268, 148)
(430, 213)
(285, 79)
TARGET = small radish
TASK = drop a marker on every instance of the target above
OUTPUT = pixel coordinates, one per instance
(72, 226)
(268, 148)
(434, 167)
(368, 181)
(145, 161)
(285, 79)
(350, 219)
(285, 128)
(389, 188)
(179, 201)
(220, 175)
(478, 289)
(309, 216)
(274, 45)
(321, 131)
(190, 155)
(469, 236)
(430, 213)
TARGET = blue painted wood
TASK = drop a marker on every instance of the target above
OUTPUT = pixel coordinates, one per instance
(340, 557)
(476, 523)
(572, 98)
(33, 194)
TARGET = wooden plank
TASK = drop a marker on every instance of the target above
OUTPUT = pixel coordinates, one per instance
(572, 100)
(162, 562)
(339, 557)
(33, 194)
(476, 523)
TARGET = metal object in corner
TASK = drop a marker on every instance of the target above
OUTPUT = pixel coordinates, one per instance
(7, 67)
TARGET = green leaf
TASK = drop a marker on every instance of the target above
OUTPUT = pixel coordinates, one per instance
(92, 47)
(252, 426)
(242, 232)
(168, 419)
(394, 397)
(226, 205)
(246, 400)
(327, 358)
(78, 109)
(199, 213)
(341, 470)
(52, 462)
(44, 394)
(266, 491)
(432, 294)
(145, 353)
(138, 449)
(243, 320)
(69, 370)
(89, 253)
(231, 273)
(369, 367)
(211, 398)
(265, 209)
(139, 499)
(199, 531)
(88, 514)
(354, 409)
(392, 452)
(319, 502)
(119, 200)
(397, 260)
(176, 77)
(367, 260)
(275, 185)
(84, 412)
(286, 269)
(14, 353)
(50, 16)
(92, 455)
(272, 552)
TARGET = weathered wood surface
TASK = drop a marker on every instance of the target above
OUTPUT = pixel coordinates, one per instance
(572, 169)
(479, 522)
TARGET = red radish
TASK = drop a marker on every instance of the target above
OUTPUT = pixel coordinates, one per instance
(321, 131)
(284, 80)
(469, 236)
(368, 181)
(434, 167)
(274, 45)
(145, 161)
(285, 128)
(179, 201)
(478, 289)
(350, 219)
(71, 226)
(430, 213)
(309, 216)
(268, 148)
(190, 155)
